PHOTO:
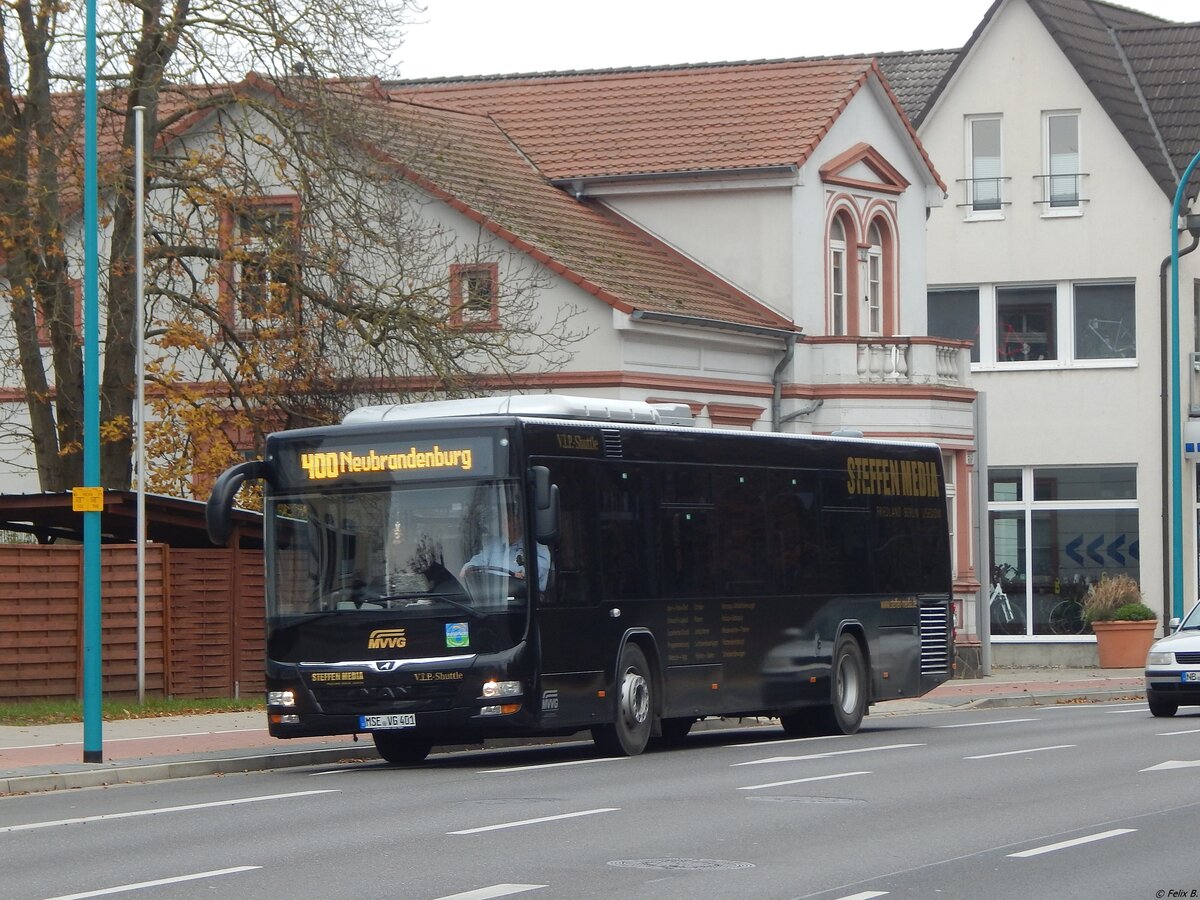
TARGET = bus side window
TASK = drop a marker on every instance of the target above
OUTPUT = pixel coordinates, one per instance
(848, 530)
(623, 511)
(793, 534)
(743, 558)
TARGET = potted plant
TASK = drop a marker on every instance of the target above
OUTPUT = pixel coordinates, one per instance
(1122, 622)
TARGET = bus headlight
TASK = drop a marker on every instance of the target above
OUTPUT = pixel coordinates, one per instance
(281, 698)
(1160, 658)
(501, 689)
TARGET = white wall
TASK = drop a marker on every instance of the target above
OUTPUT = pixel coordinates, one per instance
(1058, 412)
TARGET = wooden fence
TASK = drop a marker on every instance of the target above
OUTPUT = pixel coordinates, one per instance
(203, 621)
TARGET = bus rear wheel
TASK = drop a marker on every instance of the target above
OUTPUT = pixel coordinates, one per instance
(845, 713)
(401, 749)
(630, 733)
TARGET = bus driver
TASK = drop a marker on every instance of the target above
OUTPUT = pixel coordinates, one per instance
(500, 556)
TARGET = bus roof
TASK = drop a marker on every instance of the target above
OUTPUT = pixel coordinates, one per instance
(556, 406)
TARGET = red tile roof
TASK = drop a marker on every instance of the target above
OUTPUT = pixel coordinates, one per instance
(675, 119)
(467, 161)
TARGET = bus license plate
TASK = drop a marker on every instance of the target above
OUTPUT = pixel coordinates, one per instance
(1189, 677)
(396, 720)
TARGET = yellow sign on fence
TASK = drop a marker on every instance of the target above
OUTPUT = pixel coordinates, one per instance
(87, 499)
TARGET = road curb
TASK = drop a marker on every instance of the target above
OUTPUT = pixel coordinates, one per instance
(1067, 698)
(184, 768)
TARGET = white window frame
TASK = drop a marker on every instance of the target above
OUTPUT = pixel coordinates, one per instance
(838, 310)
(974, 214)
(872, 281)
(1064, 312)
(1066, 210)
(1027, 507)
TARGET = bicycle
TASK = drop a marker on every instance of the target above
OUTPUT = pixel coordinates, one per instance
(1006, 619)
(1066, 617)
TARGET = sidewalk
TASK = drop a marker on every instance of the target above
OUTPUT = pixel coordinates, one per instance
(50, 757)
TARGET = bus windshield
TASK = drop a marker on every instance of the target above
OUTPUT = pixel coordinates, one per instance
(412, 550)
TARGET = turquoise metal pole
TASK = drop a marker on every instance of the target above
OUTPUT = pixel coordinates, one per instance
(1176, 400)
(92, 633)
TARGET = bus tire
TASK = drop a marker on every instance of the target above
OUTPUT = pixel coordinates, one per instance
(848, 687)
(674, 731)
(401, 749)
(630, 733)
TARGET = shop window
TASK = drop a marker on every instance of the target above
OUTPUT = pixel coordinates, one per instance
(1050, 540)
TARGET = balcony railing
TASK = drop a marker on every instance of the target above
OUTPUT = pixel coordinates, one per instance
(885, 360)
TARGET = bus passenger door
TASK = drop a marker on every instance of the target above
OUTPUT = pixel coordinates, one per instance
(578, 632)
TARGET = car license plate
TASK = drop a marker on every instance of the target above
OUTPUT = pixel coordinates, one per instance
(1190, 677)
(395, 720)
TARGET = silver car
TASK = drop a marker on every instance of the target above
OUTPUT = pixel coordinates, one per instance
(1173, 667)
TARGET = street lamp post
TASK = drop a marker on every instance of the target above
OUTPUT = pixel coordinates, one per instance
(1176, 401)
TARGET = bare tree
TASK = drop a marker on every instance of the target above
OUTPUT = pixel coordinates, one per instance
(294, 265)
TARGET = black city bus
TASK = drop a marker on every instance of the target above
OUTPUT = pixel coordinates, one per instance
(679, 573)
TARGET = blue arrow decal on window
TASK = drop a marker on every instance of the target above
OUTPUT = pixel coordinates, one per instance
(1093, 547)
(1114, 550)
(1072, 550)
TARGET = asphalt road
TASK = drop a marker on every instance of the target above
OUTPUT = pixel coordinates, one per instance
(1089, 800)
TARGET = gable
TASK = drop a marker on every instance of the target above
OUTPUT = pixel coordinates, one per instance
(1140, 68)
(862, 166)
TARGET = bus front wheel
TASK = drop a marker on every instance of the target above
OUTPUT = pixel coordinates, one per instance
(401, 749)
(629, 734)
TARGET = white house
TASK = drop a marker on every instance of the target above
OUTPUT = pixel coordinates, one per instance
(1062, 129)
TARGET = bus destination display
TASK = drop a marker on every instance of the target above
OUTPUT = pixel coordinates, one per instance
(401, 460)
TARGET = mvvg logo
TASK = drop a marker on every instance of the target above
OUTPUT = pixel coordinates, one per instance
(549, 701)
(387, 639)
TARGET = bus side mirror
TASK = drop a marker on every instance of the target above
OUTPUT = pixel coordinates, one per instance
(545, 506)
(218, 511)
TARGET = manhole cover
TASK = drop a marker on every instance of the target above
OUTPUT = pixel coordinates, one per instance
(785, 799)
(676, 863)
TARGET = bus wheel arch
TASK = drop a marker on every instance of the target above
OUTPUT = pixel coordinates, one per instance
(637, 702)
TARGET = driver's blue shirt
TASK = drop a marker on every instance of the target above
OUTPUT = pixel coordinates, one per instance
(511, 558)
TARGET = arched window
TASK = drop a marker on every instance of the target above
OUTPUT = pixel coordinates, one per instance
(871, 258)
(838, 323)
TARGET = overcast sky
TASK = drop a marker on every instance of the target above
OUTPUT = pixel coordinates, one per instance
(476, 37)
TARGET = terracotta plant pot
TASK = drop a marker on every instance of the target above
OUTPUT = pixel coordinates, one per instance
(1124, 644)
